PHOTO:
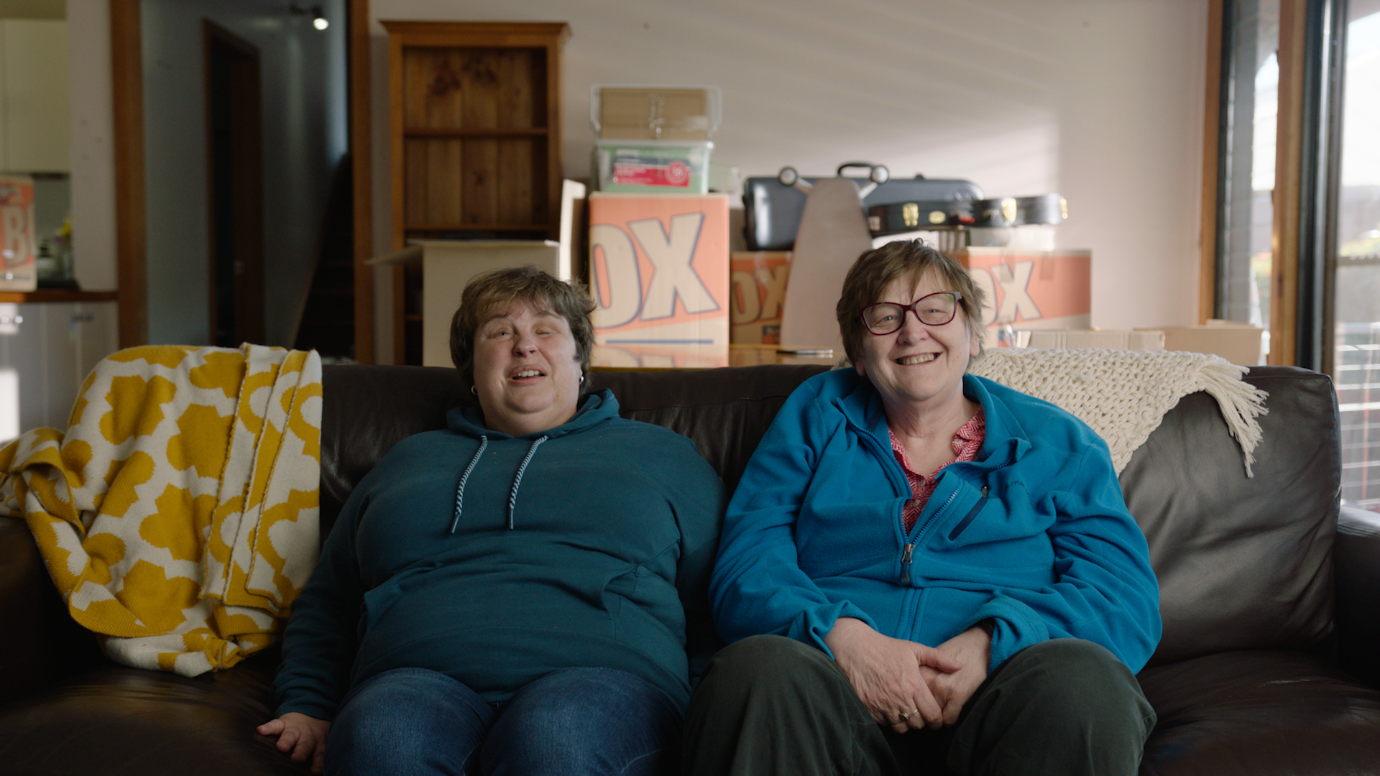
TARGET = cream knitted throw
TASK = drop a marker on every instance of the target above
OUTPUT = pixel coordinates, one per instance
(1123, 394)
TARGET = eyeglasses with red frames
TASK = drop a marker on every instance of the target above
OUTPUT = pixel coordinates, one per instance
(932, 310)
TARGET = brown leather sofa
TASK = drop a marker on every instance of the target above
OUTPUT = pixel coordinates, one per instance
(1270, 661)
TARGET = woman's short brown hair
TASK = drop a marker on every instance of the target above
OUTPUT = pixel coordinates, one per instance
(492, 293)
(876, 269)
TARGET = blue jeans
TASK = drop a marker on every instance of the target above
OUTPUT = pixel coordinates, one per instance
(575, 721)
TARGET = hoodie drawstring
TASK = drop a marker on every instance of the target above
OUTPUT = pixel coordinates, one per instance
(460, 489)
(517, 481)
(512, 497)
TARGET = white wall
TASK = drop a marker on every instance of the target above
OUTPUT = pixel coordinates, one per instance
(1100, 100)
(304, 119)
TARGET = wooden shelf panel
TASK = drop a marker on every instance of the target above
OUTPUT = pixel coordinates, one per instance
(475, 181)
(444, 227)
(474, 88)
(58, 295)
(464, 132)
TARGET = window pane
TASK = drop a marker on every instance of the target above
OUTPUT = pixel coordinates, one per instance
(1248, 162)
(1357, 283)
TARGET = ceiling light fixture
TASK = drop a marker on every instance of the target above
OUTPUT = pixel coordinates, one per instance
(318, 18)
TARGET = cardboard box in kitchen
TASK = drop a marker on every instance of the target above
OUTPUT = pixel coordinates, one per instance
(18, 270)
(757, 290)
(658, 272)
(1032, 289)
(1239, 343)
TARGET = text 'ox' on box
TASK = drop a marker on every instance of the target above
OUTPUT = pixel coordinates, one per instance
(659, 274)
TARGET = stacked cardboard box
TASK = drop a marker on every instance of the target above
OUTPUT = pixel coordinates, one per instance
(658, 242)
(1116, 339)
(1239, 343)
(658, 272)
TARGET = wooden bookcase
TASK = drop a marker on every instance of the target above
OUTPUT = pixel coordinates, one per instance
(475, 111)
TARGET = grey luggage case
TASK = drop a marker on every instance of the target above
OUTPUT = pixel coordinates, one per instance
(772, 210)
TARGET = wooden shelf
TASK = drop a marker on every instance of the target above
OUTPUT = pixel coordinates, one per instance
(475, 132)
(476, 228)
(463, 133)
(58, 295)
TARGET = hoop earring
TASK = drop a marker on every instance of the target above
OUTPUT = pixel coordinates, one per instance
(473, 391)
(582, 379)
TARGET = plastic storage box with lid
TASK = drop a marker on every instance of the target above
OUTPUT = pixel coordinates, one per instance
(652, 167)
(653, 139)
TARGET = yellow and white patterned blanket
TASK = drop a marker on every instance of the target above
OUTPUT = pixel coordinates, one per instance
(178, 514)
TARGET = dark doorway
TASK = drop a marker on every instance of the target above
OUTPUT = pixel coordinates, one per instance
(235, 178)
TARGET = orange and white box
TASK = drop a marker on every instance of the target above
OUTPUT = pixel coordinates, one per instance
(658, 272)
(18, 267)
(1032, 289)
(758, 289)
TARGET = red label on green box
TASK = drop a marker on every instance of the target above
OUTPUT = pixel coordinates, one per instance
(676, 174)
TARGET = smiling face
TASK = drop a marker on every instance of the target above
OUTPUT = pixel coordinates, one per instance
(918, 367)
(526, 370)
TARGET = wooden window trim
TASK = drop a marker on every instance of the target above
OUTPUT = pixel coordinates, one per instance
(1212, 120)
(1284, 238)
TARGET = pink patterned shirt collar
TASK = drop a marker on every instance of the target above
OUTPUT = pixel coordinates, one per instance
(966, 443)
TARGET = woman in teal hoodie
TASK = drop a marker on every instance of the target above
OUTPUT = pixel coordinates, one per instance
(524, 592)
(945, 567)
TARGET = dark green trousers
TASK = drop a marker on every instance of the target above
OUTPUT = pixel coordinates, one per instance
(772, 705)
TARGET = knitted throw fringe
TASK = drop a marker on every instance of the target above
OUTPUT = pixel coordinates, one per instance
(1124, 394)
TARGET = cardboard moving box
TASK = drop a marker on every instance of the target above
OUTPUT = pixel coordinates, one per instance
(448, 266)
(758, 287)
(1032, 289)
(1115, 339)
(658, 272)
(1239, 343)
(18, 270)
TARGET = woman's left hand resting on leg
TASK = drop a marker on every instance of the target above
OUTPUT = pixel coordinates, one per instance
(303, 736)
(971, 650)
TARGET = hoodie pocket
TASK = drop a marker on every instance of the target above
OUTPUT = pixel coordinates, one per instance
(619, 589)
(378, 601)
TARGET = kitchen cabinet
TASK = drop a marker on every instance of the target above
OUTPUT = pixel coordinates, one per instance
(35, 128)
(45, 358)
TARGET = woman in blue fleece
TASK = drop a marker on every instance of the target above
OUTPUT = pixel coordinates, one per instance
(946, 567)
(523, 593)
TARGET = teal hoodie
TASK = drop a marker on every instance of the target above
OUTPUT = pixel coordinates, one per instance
(497, 559)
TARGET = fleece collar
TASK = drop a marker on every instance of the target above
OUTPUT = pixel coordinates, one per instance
(596, 408)
(1006, 439)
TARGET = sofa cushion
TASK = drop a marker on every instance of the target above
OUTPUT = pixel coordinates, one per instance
(1261, 712)
(1242, 563)
(129, 720)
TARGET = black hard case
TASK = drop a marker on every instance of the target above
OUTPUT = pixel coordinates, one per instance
(772, 211)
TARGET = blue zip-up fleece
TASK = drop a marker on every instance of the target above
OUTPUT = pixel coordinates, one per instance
(1034, 534)
(498, 559)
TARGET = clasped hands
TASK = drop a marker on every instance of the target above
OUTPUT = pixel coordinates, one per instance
(906, 685)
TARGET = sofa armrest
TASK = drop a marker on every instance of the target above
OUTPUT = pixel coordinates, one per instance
(1357, 557)
(41, 642)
